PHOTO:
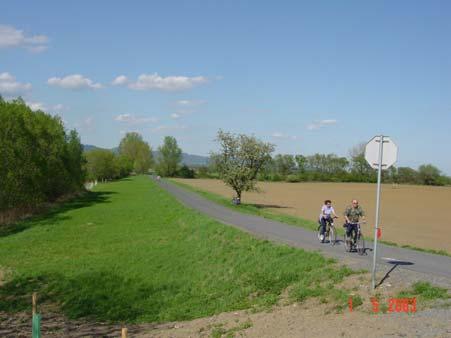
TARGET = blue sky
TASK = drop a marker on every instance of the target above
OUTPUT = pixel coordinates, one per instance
(318, 76)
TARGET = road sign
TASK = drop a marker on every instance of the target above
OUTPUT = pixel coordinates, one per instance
(389, 152)
(380, 153)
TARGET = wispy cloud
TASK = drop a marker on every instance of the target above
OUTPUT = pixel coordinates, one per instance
(280, 135)
(35, 105)
(11, 37)
(157, 82)
(132, 119)
(10, 86)
(175, 116)
(74, 81)
(320, 124)
(189, 103)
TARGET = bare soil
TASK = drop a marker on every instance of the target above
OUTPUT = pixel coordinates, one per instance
(410, 215)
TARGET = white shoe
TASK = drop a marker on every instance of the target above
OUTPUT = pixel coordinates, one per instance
(321, 237)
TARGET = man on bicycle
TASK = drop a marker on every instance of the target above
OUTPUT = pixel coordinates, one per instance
(327, 213)
(353, 214)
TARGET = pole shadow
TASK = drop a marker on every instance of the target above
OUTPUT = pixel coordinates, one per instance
(395, 264)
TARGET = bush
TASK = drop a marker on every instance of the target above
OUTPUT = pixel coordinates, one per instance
(292, 178)
(186, 172)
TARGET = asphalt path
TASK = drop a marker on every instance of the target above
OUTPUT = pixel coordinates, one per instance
(389, 257)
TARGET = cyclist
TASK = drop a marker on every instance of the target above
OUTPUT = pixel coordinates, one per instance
(353, 214)
(327, 213)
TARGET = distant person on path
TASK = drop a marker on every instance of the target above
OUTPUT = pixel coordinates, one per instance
(327, 213)
(353, 214)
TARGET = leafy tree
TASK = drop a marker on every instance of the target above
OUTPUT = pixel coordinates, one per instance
(169, 158)
(39, 160)
(186, 172)
(240, 159)
(284, 164)
(101, 164)
(301, 163)
(408, 175)
(360, 169)
(430, 175)
(138, 152)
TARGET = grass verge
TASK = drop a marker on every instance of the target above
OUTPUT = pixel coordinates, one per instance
(129, 251)
(293, 220)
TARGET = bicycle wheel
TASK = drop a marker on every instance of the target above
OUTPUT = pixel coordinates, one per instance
(360, 244)
(332, 236)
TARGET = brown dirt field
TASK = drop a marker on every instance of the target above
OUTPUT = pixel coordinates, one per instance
(410, 215)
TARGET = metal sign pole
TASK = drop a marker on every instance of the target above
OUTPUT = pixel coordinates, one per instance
(378, 197)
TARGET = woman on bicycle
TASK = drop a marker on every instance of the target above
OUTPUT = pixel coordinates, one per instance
(353, 214)
(327, 213)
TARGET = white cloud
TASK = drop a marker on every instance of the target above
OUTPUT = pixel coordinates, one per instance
(189, 103)
(280, 135)
(120, 80)
(11, 37)
(34, 105)
(321, 124)
(132, 119)
(157, 82)
(75, 81)
(175, 116)
(9, 85)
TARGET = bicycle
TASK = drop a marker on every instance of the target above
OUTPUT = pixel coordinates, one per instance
(331, 232)
(355, 241)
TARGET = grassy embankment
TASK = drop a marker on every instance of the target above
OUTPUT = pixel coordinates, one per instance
(128, 251)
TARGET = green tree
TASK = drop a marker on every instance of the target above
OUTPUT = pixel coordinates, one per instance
(408, 175)
(39, 161)
(430, 175)
(360, 169)
(101, 165)
(301, 163)
(138, 152)
(170, 156)
(240, 159)
(284, 164)
(186, 172)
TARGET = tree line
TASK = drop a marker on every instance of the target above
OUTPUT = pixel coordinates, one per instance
(134, 155)
(333, 168)
(40, 161)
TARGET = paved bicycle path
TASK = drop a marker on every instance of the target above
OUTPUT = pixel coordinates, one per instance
(388, 256)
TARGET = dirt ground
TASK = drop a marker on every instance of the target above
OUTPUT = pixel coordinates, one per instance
(412, 215)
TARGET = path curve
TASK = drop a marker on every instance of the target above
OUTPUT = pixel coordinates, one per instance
(413, 260)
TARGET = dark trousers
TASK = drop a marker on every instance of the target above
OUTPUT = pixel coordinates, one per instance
(350, 228)
(324, 222)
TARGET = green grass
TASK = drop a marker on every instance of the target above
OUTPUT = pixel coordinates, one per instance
(128, 251)
(425, 291)
(293, 220)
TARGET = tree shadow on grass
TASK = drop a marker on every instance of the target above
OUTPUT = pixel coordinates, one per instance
(97, 295)
(57, 213)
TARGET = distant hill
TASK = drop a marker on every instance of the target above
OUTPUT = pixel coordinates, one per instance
(188, 159)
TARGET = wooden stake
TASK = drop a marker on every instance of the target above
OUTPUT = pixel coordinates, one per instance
(124, 332)
(34, 302)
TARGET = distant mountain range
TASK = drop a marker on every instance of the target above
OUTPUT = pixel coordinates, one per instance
(188, 159)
